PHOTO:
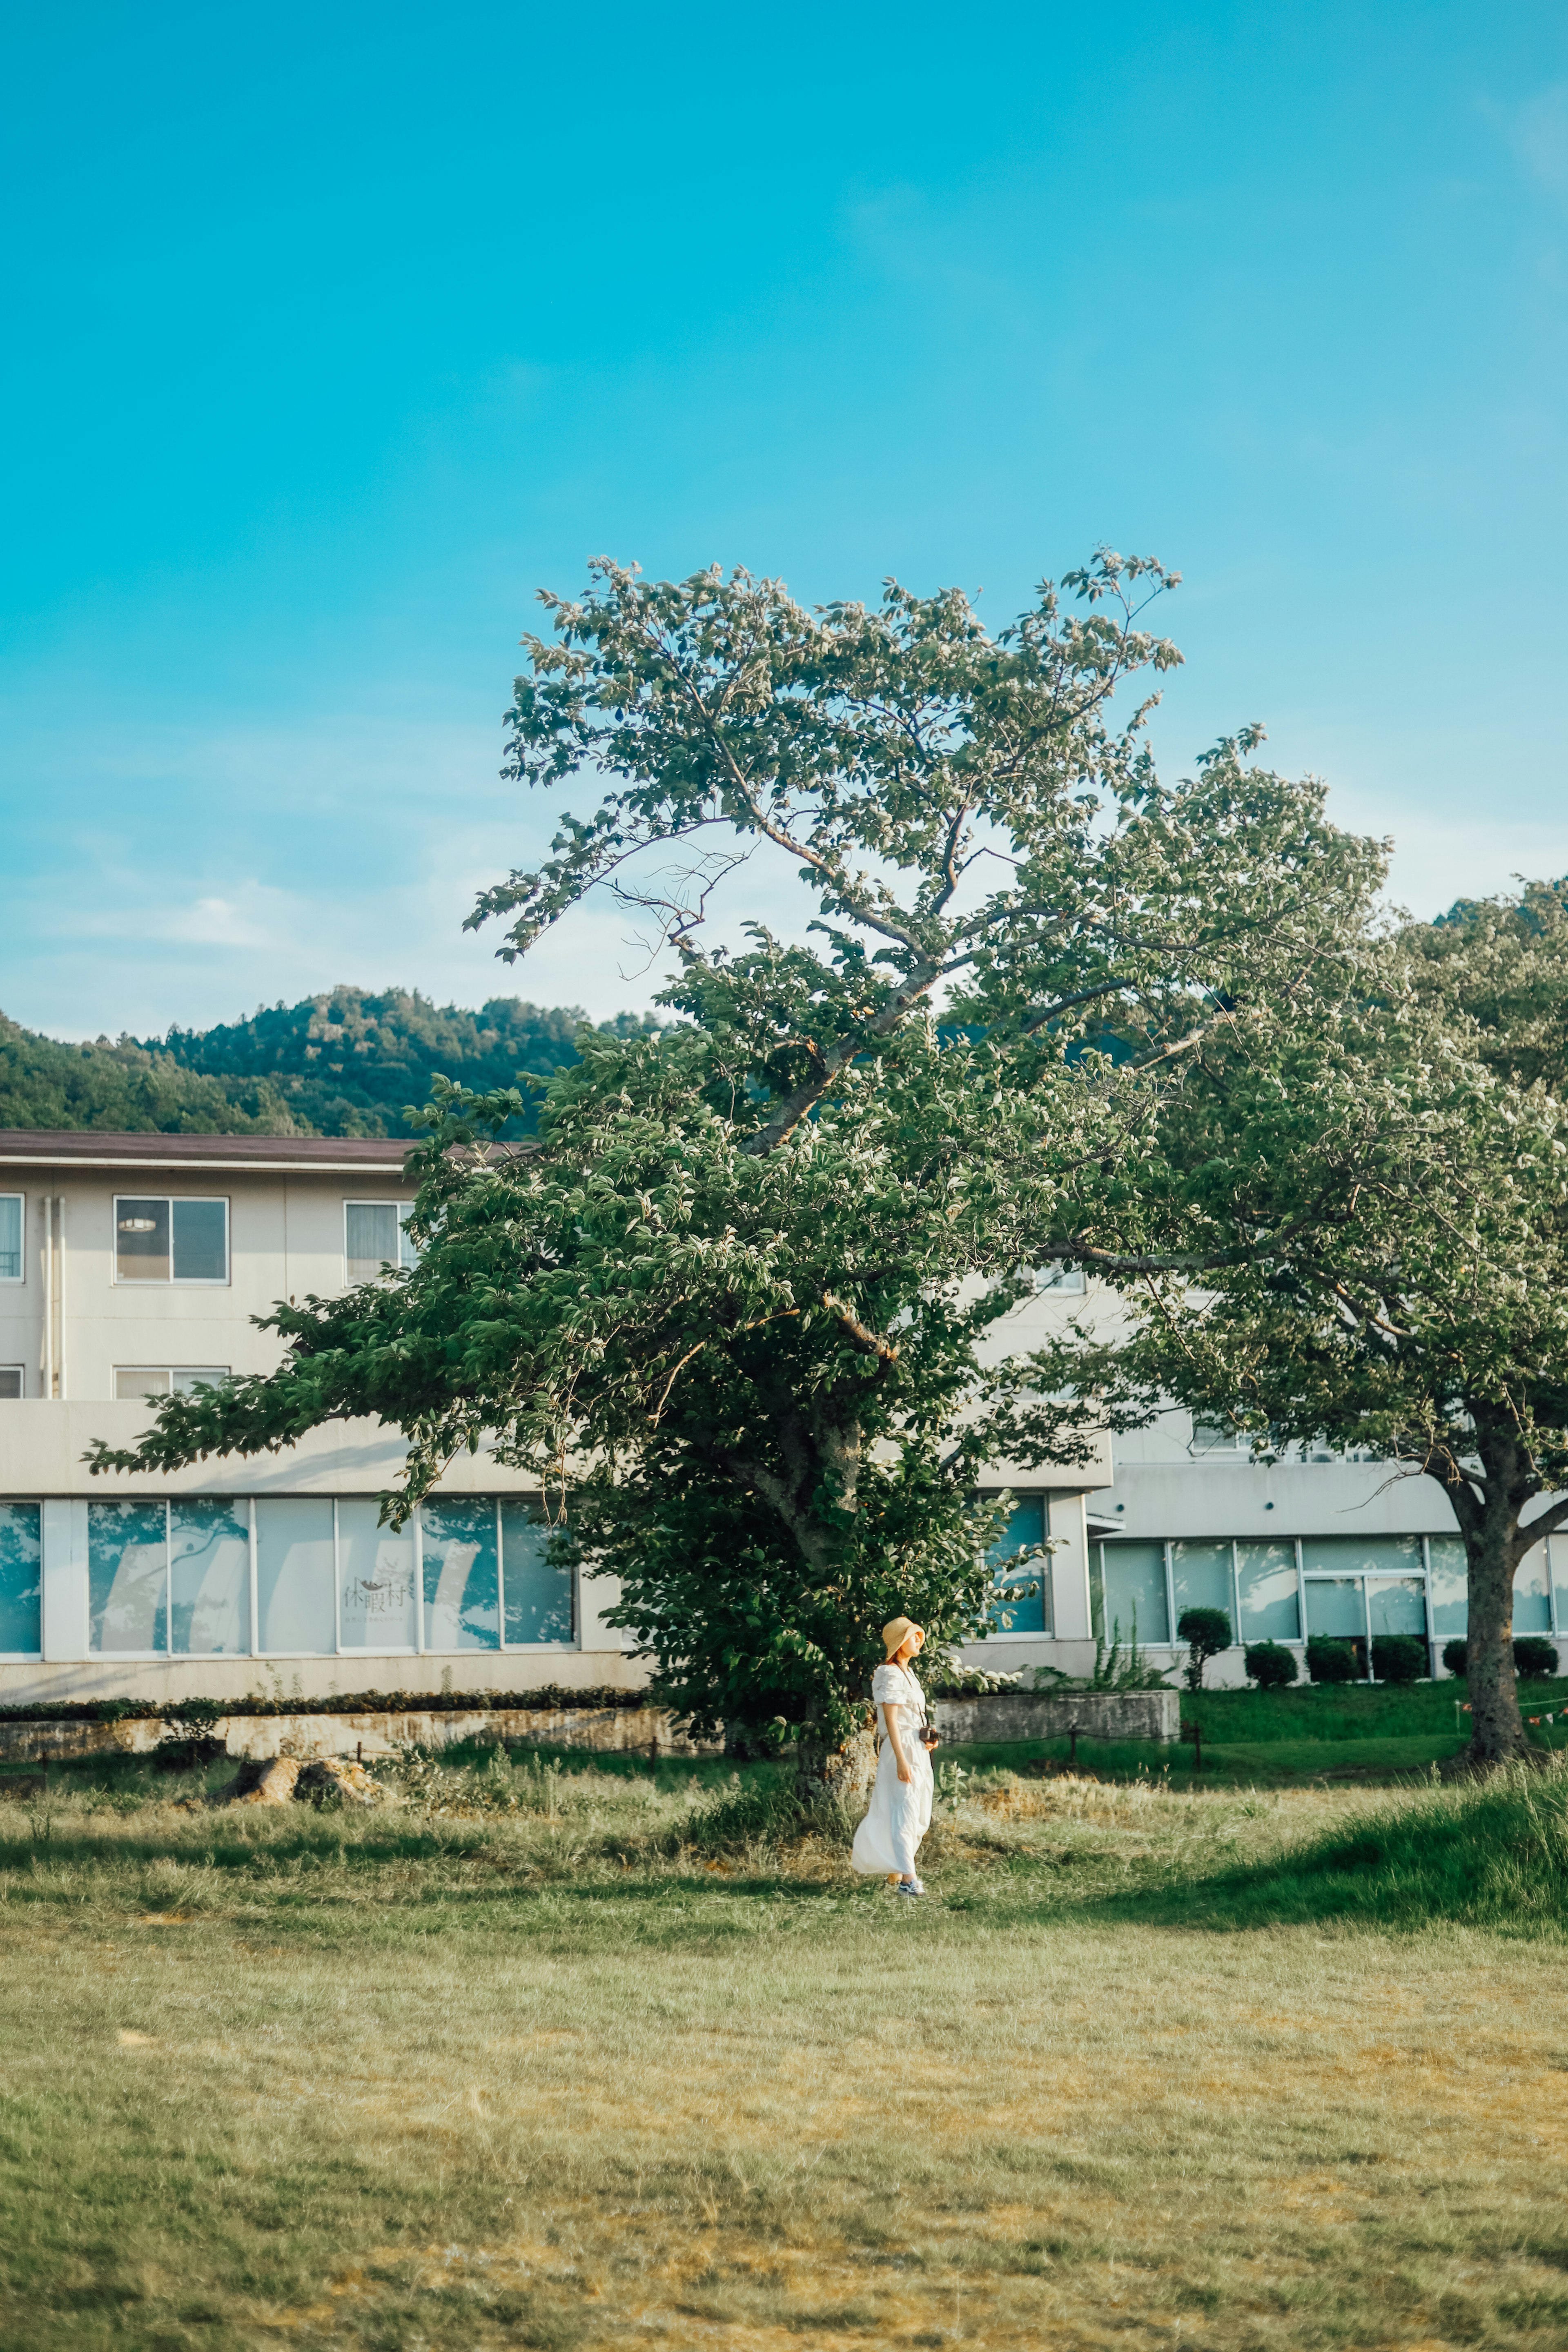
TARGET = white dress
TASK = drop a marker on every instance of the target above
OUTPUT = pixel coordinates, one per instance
(899, 1811)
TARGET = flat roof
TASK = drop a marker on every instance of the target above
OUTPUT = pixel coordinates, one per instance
(313, 1155)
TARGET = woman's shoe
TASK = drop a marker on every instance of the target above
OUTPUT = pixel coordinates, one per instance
(910, 1886)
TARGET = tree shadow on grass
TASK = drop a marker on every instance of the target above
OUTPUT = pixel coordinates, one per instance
(1490, 1855)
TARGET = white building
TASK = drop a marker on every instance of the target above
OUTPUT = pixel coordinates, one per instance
(129, 1264)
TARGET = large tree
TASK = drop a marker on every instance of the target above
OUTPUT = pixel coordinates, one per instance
(737, 1304)
(1422, 1315)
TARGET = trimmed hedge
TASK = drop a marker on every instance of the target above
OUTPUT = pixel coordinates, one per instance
(1270, 1666)
(128, 1710)
(1398, 1658)
(1533, 1656)
(1331, 1662)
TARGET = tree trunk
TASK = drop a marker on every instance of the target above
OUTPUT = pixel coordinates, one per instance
(835, 1771)
(1493, 1549)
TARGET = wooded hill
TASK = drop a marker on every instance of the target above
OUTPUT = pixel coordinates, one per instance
(348, 1062)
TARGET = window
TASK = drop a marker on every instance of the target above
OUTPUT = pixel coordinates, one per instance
(1017, 1610)
(10, 1236)
(164, 1380)
(1267, 1592)
(1218, 1437)
(462, 1576)
(305, 1576)
(11, 1385)
(1134, 1593)
(1201, 1578)
(296, 1615)
(1061, 1279)
(538, 1591)
(380, 1607)
(21, 1579)
(173, 1579)
(159, 1240)
(375, 1235)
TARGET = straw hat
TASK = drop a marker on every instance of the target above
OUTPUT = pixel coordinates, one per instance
(896, 1633)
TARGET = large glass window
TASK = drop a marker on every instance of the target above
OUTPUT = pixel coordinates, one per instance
(538, 1594)
(1266, 1592)
(128, 1577)
(1396, 1605)
(1532, 1593)
(1135, 1592)
(379, 1605)
(1027, 1613)
(157, 1239)
(462, 1584)
(1447, 1586)
(375, 1234)
(209, 1578)
(10, 1236)
(1335, 1609)
(138, 1381)
(21, 1579)
(1201, 1578)
(295, 1612)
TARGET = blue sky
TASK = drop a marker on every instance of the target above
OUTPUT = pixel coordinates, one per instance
(333, 332)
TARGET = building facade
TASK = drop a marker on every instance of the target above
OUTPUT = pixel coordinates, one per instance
(134, 1265)
(130, 1266)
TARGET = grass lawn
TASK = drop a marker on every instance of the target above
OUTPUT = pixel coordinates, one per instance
(573, 2059)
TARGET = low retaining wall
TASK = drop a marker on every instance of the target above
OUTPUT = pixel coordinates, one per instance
(1047, 1714)
(375, 1732)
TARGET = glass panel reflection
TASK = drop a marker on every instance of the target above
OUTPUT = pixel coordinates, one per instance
(21, 1578)
(462, 1584)
(127, 1562)
(1027, 1613)
(538, 1594)
(209, 1578)
(294, 1611)
(377, 1565)
(1266, 1592)
(1135, 1592)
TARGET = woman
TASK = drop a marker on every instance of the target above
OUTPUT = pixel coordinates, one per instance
(899, 1813)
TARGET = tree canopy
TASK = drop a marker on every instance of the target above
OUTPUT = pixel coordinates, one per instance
(1421, 1314)
(742, 1303)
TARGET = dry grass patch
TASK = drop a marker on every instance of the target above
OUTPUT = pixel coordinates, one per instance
(543, 2078)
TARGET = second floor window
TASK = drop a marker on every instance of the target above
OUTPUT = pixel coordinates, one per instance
(10, 1382)
(162, 1240)
(161, 1380)
(376, 1234)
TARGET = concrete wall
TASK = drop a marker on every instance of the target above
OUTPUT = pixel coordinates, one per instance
(1024, 1714)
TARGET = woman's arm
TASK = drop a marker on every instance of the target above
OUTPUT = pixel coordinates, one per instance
(890, 1719)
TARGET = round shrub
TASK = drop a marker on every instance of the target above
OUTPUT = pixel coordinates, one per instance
(1271, 1664)
(1534, 1655)
(1205, 1631)
(1331, 1662)
(1398, 1657)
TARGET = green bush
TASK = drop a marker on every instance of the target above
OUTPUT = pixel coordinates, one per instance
(1205, 1631)
(1270, 1666)
(1398, 1657)
(1331, 1662)
(1533, 1656)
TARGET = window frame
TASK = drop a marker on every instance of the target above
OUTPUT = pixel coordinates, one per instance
(173, 1281)
(404, 1210)
(15, 1281)
(1044, 1576)
(20, 1397)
